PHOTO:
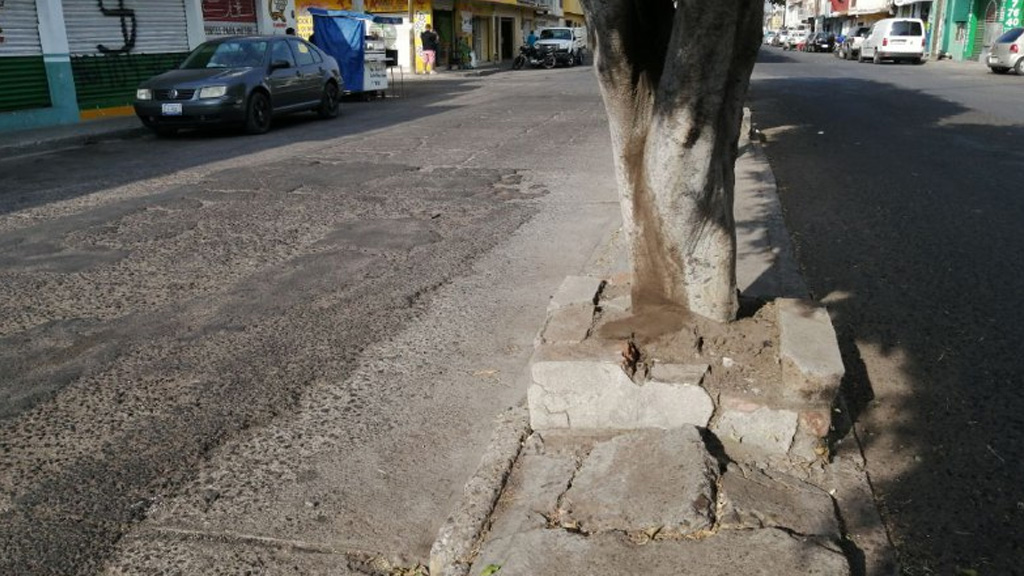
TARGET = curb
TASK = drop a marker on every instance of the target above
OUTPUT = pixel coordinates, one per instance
(462, 531)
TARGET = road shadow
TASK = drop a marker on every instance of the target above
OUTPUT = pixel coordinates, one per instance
(905, 214)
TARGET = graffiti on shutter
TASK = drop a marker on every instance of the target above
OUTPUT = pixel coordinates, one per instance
(116, 44)
(97, 27)
(129, 38)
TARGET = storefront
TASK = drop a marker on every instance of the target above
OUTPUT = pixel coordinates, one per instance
(969, 27)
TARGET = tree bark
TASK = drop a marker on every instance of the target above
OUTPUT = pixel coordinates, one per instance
(674, 76)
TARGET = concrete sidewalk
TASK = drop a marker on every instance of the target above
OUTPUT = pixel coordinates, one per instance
(69, 135)
(679, 501)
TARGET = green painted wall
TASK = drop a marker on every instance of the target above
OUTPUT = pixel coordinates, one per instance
(111, 80)
(24, 83)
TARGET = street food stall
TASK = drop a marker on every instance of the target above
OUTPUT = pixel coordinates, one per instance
(357, 41)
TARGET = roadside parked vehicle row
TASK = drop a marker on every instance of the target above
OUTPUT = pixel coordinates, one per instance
(892, 39)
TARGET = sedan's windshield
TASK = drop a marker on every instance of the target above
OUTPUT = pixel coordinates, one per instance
(227, 54)
(555, 35)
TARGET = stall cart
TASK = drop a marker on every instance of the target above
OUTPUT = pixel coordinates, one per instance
(352, 39)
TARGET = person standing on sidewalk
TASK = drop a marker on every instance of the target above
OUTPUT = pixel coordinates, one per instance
(430, 42)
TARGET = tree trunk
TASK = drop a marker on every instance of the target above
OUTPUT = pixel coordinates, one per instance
(674, 78)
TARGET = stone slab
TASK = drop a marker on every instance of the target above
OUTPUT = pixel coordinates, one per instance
(812, 366)
(757, 426)
(582, 391)
(576, 290)
(756, 499)
(767, 552)
(568, 324)
(531, 494)
(651, 481)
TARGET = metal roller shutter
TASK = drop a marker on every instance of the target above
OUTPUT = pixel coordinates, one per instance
(19, 28)
(23, 83)
(116, 44)
(126, 26)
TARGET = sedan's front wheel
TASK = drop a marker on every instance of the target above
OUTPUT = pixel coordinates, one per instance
(258, 114)
(329, 101)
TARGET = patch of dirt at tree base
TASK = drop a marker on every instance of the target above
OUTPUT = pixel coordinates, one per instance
(742, 355)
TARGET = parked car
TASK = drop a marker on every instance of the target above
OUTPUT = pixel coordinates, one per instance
(241, 80)
(1007, 52)
(768, 37)
(781, 38)
(894, 39)
(850, 48)
(821, 42)
(795, 40)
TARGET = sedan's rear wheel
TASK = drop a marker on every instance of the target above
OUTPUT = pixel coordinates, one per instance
(1018, 68)
(258, 114)
(330, 101)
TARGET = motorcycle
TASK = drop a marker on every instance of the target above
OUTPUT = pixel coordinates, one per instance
(535, 57)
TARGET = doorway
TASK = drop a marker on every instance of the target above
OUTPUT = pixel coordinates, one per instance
(506, 39)
(988, 28)
(444, 25)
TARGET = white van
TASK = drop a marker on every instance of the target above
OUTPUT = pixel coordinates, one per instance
(894, 39)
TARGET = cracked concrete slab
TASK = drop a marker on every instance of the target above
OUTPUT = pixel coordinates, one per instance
(576, 290)
(766, 552)
(756, 499)
(651, 481)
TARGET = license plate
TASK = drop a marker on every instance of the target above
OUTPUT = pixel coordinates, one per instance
(899, 41)
(171, 109)
(993, 59)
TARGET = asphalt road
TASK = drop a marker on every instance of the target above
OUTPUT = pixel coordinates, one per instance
(214, 344)
(901, 188)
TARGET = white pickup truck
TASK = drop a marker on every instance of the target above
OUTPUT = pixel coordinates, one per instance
(569, 45)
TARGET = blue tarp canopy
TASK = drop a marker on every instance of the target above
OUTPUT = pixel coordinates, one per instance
(342, 33)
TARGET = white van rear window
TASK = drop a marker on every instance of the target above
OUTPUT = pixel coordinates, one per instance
(906, 28)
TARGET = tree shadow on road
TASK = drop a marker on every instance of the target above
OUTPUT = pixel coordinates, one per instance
(905, 213)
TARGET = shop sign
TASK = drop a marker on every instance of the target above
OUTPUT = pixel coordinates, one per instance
(1012, 14)
(278, 9)
(229, 17)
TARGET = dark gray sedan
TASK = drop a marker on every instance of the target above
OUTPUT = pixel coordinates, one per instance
(242, 81)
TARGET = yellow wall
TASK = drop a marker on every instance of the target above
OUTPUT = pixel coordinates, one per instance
(304, 22)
